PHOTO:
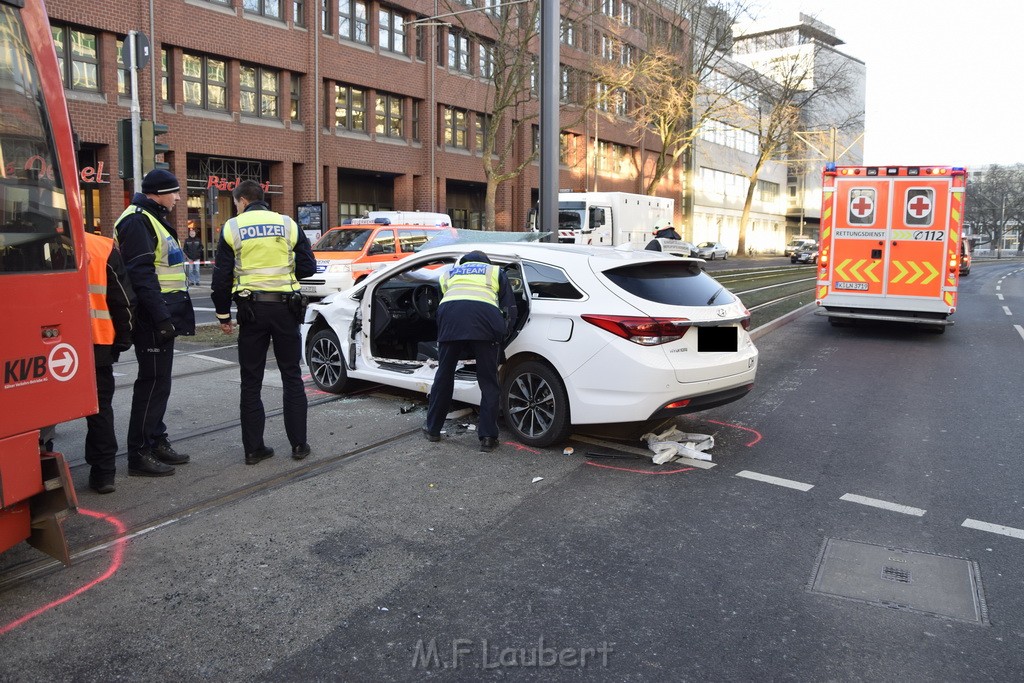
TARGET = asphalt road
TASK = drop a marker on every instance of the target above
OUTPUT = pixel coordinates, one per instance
(383, 557)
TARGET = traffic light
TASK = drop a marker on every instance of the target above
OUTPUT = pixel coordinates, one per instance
(125, 158)
(149, 132)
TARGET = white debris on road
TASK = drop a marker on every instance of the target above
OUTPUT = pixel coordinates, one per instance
(672, 444)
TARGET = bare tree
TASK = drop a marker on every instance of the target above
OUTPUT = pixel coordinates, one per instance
(791, 87)
(674, 86)
(507, 39)
(995, 204)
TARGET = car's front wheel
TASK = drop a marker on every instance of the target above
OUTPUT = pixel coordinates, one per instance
(326, 362)
(535, 405)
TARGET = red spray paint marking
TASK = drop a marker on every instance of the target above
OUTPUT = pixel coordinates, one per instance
(756, 433)
(115, 564)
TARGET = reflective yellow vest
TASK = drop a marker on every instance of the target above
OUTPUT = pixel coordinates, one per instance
(98, 250)
(171, 277)
(264, 245)
(471, 282)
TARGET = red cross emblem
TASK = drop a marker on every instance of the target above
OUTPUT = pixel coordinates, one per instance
(920, 204)
(861, 207)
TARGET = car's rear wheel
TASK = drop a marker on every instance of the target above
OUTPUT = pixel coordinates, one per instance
(725, 256)
(326, 362)
(711, 257)
(535, 405)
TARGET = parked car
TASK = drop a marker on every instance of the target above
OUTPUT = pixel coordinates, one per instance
(348, 253)
(712, 250)
(805, 254)
(965, 257)
(603, 336)
(796, 244)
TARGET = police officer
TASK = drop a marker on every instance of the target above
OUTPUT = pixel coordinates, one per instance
(155, 264)
(111, 301)
(667, 233)
(260, 259)
(476, 313)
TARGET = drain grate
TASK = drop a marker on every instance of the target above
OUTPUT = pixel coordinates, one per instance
(894, 574)
(910, 580)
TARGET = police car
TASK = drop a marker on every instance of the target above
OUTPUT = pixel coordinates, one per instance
(604, 335)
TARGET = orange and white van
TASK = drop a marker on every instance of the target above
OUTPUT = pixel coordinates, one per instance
(348, 253)
(890, 243)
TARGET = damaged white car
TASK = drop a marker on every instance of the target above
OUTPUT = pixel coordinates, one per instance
(604, 335)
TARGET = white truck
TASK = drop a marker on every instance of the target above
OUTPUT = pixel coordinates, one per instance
(611, 218)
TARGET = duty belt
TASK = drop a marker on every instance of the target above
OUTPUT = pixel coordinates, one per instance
(270, 297)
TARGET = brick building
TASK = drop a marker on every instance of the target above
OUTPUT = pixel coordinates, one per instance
(345, 102)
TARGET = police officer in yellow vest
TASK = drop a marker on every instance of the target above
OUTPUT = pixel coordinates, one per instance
(476, 313)
(111, 302)
(260, 259)
(156, 268)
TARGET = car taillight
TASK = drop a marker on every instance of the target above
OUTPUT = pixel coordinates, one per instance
(746, 319)
(643, 331)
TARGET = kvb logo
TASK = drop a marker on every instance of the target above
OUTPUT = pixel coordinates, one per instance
(62, 364)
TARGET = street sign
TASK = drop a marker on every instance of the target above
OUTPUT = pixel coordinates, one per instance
(141, 52)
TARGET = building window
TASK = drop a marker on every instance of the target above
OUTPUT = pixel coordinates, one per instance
(391, 31)
(325, 17)
(77, 56)
(389, 120)
(455, 128)
(481, 126)
(416, 120)
(493, 8)
(258, 91)
(299, 12)
(265, 8)
(628, 15)
(165, 79)
(124, 76)
(204, 81)
(608, 8)
(350, 109)
(486, 61)
(568, 32)
(353, 20)
(603, 96)
(421, 44)
(296, 95)
(458, 52)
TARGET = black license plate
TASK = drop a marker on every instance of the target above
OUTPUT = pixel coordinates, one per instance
(716, 339)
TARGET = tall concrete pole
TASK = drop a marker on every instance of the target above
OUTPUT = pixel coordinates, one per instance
(549, 119)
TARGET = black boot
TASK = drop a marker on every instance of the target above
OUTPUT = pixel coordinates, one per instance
(261, 453)
(143, 464)
(165, 454)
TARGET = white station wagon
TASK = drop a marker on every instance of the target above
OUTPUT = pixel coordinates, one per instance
(604, 335)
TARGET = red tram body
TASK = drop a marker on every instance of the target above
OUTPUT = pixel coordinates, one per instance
(45, 341)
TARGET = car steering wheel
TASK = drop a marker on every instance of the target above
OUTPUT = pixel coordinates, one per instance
(425, 301)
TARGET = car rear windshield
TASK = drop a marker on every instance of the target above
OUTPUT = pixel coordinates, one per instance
(675, 284)
(348, 239)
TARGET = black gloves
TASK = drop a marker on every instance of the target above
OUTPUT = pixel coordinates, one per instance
(121, 346)
(165, 331)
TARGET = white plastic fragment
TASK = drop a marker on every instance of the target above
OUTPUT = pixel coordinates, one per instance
(672, 444)
(536, 479)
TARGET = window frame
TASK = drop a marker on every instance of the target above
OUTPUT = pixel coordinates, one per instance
(385, 121)
(352, 111)
(260, 92)
(394, 28)
(67, 59)
(206, 83)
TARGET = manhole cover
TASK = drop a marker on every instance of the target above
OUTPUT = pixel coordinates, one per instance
(901, 579)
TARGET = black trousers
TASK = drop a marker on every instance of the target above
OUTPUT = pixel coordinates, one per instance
(152, 390)
(100, 437)
(449, 353)
(274, 323)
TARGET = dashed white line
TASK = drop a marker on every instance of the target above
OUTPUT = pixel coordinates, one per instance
(883, 504)
(778, 481)
(1006, 310)
(998, 288)
(1020, 330)
(213, 359)
(999, 296)
(994, 528)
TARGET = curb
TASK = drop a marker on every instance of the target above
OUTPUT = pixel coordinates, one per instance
(780, 321)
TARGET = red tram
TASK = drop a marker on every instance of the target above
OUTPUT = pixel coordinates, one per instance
(45, 342)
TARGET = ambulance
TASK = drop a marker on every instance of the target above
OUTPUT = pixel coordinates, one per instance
(890, 243)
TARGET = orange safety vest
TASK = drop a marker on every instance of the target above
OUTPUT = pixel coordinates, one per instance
(98, 249)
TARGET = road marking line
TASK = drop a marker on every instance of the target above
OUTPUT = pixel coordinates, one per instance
(993, 528)
(702, 464)
(222, 361)
(999, 296)
(1020, 330)
(1006, 310)
(998, 288)
(883, 504)
(778, 481)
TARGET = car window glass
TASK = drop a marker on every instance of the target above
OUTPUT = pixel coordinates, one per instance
(410, 239)
(343, 240)
(705, 244)
(548, 282)
(384, 242)
(672, 283)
